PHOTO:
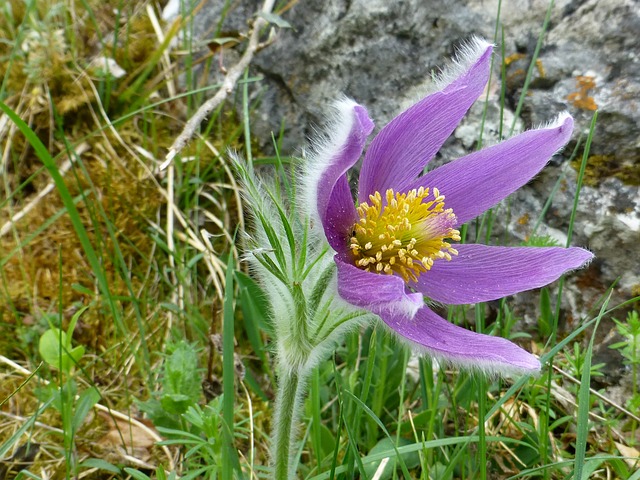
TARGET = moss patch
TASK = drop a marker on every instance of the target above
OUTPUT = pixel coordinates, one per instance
(600, 167)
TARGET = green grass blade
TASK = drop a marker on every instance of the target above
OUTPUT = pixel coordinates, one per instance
(535, 472)
(138, 85)
(635, 476)
(68, 201)
(24, 382)
(583, 166)
(6, 446)
(245, 121)
(419, 446)
(230, 460)
(375, 418)
(584, 403)
(353, 453)
(545, 358)
(532, 66)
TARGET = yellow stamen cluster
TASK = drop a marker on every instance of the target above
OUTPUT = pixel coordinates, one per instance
(405, 234)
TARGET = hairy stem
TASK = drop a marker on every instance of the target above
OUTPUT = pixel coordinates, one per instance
(287, 410)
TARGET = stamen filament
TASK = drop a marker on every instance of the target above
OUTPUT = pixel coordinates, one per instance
(405, 234)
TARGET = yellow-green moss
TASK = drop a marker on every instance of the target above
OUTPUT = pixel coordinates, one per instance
(600, 167)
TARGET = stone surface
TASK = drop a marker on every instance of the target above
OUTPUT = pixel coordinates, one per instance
(383, 54)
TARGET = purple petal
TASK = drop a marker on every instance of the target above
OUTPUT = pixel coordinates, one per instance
(402, 148)
(478, 181)
(378, 293)
(480, 273)
(462, 347)
(335, 203)
(340, 216)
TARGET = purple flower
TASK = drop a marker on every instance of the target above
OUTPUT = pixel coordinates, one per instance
(395, 246)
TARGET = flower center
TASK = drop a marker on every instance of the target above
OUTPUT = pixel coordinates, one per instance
(405, 234)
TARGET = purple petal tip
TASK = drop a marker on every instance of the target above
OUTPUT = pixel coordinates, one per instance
(363, 117)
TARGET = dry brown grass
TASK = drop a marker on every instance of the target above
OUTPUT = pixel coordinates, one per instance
(108, 137)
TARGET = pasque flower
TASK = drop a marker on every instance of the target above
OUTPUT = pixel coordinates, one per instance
(328, 262)
(396, 244)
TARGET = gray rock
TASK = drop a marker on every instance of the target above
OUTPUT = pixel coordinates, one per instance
(383, 54)
(378, 51)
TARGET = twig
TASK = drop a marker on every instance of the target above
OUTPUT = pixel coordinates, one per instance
(25, 420)
(227, 87)
(620, 408)
(113, 413)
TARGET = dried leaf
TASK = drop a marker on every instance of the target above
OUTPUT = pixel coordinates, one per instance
(632, 454)
(135, 438)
